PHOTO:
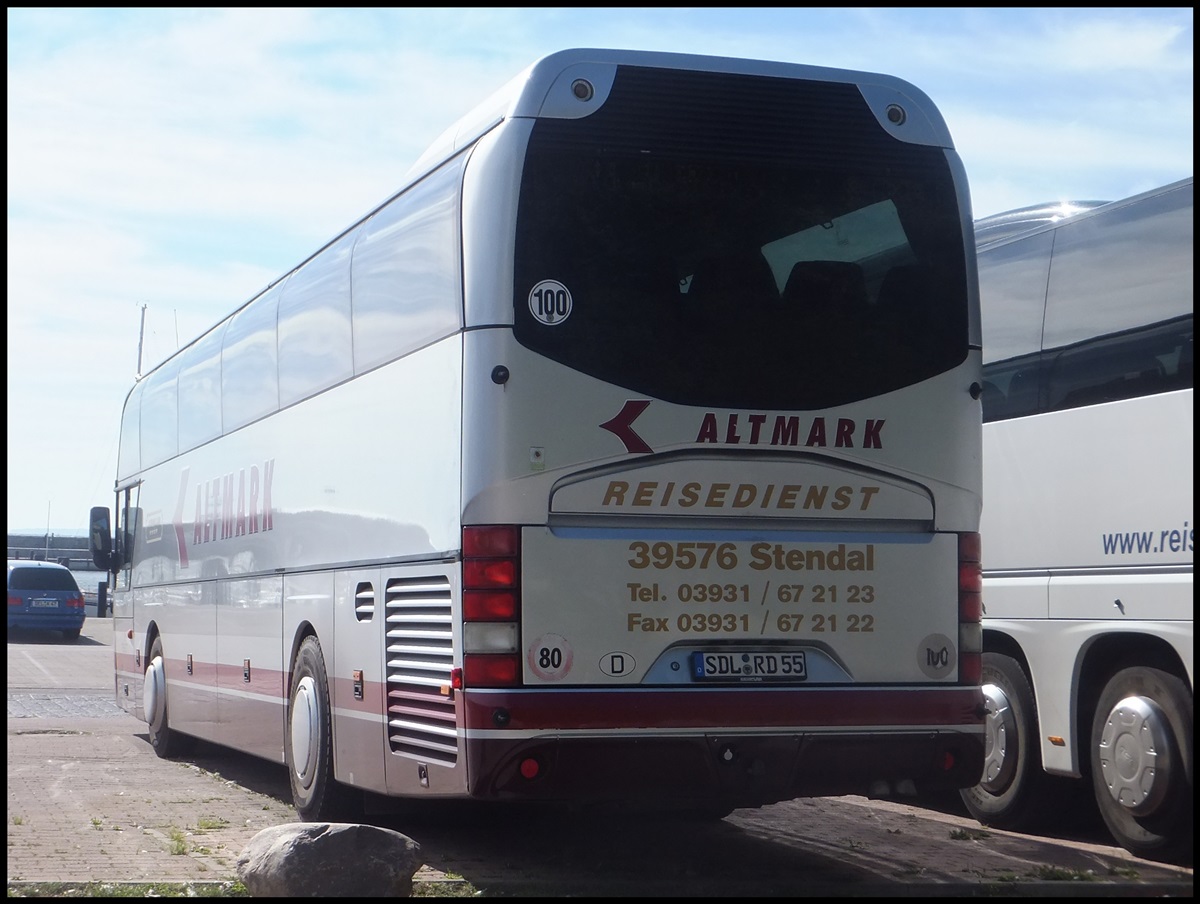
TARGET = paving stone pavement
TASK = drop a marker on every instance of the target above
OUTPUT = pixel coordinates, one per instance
(89, 801)
(63, 704)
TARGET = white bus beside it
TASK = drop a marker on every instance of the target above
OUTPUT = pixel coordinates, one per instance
(630, 453)
(1087, 524)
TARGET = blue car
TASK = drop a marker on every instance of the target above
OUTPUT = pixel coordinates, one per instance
(44, 595)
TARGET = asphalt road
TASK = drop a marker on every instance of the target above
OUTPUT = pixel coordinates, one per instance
(89, 801)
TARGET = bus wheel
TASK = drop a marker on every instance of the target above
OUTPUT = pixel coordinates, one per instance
(309, 749)
(1011, 792)
(1140, 755)
(166, 741)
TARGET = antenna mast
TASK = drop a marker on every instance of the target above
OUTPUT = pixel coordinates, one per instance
(141, 334)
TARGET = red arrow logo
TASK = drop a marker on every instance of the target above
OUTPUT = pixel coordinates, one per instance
(620, 425)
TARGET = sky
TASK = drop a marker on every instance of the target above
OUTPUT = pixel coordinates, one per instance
(167, 164)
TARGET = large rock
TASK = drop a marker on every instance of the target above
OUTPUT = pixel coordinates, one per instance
(328, 859)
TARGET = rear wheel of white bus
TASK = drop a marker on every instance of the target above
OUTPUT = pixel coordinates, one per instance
(1141, 753)
(317, 795)
(1013, 791)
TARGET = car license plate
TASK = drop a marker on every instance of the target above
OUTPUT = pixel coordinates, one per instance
(45, 604)
(749, 665)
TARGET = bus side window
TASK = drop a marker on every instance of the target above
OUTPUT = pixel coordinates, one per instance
(1092, 377)
(1022, 395)
(993, 400)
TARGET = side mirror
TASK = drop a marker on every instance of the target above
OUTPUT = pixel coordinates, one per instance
(100, 538)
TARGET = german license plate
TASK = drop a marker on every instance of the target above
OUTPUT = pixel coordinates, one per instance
(45, 604)
(748, 665)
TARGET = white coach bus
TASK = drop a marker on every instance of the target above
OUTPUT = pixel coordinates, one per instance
(1087, 523)
(630, 452)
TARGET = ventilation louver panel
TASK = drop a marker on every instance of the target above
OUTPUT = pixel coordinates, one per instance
(364, 602)
(420, 655)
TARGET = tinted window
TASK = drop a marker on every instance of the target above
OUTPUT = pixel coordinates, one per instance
(1012, 286)
(314, 325)
(739, 241)
(41, 579)
(1121, 269)
(249, 373)
(129, 457)
(160, 414)
(1154, 359)
(200, 391)
(406, 270)
(1126, 365)
(1117, 309)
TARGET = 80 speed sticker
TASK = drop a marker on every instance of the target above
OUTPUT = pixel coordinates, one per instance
(550, 657)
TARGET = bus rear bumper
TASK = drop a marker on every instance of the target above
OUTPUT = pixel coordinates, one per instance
(734, 770)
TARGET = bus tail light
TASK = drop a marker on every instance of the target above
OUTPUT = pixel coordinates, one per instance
(491, 669)
(970, 609)
(491, 602)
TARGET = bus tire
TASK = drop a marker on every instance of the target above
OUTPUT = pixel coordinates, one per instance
(1141, 755)
(308, 748)
(1012, 791)
(166, 741)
